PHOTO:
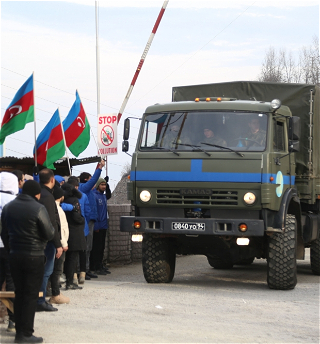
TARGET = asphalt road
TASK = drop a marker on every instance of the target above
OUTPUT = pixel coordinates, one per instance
(201, 305)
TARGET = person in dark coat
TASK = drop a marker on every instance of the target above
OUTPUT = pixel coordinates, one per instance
(54, 248)
(76, 241)
(26, 229)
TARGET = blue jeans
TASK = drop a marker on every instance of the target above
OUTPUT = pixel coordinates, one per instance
(50, 252)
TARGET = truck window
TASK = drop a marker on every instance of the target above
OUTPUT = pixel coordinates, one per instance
(241, 131)
(278, 136)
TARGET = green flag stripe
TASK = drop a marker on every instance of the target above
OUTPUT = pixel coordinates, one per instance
(81, 143)
(54, 153)
(17, 123)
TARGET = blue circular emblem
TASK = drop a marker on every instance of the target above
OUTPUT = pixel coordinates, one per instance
(279, 181)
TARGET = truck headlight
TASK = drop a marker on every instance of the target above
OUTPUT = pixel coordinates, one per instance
(249, 198)
(145, 196)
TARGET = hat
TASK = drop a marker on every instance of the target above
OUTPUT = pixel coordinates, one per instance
(57, 192)
(59, 178)
(31, 188)
(100, 180)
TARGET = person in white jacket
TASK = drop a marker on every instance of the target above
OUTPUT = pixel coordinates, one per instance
(57, 297)
(8, 190)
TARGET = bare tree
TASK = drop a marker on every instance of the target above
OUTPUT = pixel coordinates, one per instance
(281, 66)
(126, 169)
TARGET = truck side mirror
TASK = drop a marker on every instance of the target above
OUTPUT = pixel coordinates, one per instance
(294, 146)
(126, 129)
(125, 146)
(294, 130)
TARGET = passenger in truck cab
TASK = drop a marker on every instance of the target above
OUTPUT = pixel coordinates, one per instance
(210, 138)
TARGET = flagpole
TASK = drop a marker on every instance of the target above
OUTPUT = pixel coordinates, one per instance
(35, 127)
(98, 76)
(64, 140)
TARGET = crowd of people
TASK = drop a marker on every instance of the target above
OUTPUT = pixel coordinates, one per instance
(49, 227)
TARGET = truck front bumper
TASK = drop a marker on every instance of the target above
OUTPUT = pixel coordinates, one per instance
(192, 226)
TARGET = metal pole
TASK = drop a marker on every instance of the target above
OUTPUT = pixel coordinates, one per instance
(98, 67)
(34, 125)
(143, 57)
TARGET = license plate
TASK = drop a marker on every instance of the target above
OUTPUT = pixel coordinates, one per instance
(188, 226)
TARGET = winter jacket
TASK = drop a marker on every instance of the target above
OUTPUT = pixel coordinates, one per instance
(29, 232)
(48, 201)
(101, 201)
(85, 211)
(87, 189)
(8, 191)
(76, 221)
(64, 225)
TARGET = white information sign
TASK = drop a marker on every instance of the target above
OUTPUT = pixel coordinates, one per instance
(107, 135)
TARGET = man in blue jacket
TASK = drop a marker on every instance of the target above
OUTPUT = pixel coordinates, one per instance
(87, 183)
(100, 229)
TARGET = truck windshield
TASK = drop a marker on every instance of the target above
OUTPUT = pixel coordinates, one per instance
(211, 131)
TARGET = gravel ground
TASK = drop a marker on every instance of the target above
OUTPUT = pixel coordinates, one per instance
(201, 305)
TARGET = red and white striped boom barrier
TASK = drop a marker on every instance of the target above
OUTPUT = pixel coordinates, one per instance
(143, 57)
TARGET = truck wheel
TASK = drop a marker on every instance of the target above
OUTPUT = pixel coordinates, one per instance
(282, 266)
(315, 257)
(158, 259)
(219, 263)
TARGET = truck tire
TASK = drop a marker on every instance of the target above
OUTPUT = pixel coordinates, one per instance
(281, 261)
(158, 259)
(219, 263)
(315, 257)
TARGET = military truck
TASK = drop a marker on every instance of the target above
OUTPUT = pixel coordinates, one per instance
(229, 171)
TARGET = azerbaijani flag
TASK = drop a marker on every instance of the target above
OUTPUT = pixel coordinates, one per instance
(76, 128)
(19, 112)
(50, 142)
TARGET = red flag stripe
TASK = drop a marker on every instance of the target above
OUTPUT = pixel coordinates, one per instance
(76, 127)
(22, 105)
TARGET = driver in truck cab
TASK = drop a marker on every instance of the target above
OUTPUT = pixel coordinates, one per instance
(255, 136)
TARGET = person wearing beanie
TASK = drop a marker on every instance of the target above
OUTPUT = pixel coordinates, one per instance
(85, 186)
(100, 229)
(57, 297)
(26, 236)
(59, 179)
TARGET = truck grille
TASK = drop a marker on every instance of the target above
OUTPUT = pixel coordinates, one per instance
(217, 198)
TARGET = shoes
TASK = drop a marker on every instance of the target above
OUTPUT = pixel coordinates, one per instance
(59, 299)
(49, 292)
(91, 275)
(87, 278)
(72, 286)
(105, 268)
(75, 278)
(20, 338)
(102, 272)
(11, 326)
(44, 307)
(62, 278)
(82, 277)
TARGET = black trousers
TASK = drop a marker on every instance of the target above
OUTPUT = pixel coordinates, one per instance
(55, 276)
(5, 275)
(70, 265)
(98, 246)
(82, 260)
(27, 273)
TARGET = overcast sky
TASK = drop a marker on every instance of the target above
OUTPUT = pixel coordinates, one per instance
(198, 41)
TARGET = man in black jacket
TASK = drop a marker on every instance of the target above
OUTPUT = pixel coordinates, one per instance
(53, 248)
(26, 236)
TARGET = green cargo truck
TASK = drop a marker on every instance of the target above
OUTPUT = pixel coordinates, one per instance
(229, 171)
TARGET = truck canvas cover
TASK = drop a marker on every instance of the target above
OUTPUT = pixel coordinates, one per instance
(295, 96)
